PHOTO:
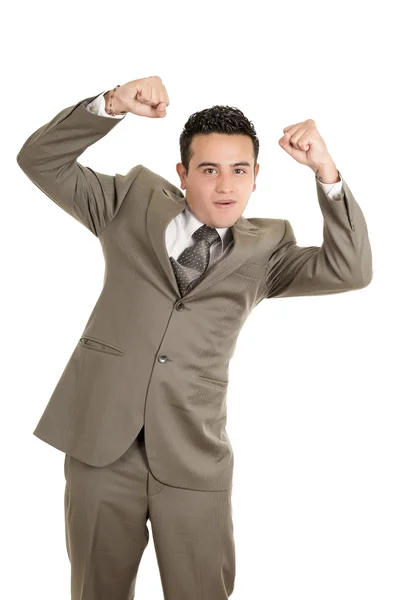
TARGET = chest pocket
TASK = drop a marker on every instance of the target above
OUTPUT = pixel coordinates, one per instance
(252, 270)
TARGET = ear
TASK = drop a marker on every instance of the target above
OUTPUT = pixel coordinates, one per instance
(257, 168)
(180, 169)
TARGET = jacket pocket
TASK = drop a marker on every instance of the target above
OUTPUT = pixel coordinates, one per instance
(95, 344)
(252, 270)
(215, 382)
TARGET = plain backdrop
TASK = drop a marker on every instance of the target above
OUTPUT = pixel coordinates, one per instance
(313, 398)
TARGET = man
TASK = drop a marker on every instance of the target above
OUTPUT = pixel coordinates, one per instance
(140, 409)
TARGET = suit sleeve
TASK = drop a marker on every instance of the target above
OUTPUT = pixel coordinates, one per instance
(342, 263)
(49, 158)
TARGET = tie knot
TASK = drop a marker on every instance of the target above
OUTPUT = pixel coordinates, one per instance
(205, 232)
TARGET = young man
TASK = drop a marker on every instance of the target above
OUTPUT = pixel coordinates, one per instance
(140, 409)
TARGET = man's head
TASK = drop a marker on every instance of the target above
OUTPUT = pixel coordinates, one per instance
(219, 150)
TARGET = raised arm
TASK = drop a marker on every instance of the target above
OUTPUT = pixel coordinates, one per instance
(343, 262)
(49, 156)
(49, 159)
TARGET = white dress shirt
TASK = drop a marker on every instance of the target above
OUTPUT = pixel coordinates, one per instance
(178, 235)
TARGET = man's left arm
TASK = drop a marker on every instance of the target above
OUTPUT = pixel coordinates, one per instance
(344, 261)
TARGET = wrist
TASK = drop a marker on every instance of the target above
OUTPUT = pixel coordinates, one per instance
(327, 172)
(116, 105)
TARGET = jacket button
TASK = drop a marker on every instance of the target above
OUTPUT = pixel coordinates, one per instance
(180, 306)
(162, 358)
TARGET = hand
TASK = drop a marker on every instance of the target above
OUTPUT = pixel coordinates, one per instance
(146, 97)
(304, 143)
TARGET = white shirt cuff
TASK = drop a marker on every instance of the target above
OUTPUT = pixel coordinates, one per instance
(334, 191)
(98, 105)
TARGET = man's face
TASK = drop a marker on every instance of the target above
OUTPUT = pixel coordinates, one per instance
(208, 184)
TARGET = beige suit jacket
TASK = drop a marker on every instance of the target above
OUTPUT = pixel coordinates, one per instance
(147, 355)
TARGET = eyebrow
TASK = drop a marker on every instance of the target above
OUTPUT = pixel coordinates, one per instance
(213, 164)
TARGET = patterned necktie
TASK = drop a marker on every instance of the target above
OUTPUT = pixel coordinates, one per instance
(193, 261)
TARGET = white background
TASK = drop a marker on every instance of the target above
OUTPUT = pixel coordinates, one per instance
(313, 400)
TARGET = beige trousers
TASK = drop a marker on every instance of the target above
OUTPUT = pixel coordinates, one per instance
(106, 511)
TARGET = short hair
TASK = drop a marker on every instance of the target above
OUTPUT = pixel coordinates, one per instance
(217, 119)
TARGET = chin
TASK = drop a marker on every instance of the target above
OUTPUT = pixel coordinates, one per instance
(226, 220)
(225, 223)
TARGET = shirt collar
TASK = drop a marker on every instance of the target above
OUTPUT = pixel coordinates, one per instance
(190, 223)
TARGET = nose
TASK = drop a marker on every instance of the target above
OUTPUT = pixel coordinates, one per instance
(225, 187)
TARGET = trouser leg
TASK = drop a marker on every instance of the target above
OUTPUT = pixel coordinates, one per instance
(105, 524)
(194, 542)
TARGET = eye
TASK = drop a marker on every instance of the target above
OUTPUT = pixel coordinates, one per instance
(211, 169)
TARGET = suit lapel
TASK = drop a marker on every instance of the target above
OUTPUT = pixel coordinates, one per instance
(164, 206)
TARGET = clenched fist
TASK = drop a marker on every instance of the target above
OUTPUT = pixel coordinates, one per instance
(146, 97)
(304, 143)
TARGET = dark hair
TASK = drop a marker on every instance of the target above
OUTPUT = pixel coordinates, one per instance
(217, 119)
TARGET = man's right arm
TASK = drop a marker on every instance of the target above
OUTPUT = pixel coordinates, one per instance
(49, 158)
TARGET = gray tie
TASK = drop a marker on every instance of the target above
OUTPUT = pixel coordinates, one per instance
(194, 260)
